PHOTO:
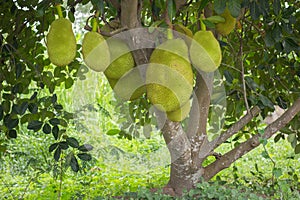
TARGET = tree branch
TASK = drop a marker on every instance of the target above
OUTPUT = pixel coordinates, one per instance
(235, 128)
(227, 159)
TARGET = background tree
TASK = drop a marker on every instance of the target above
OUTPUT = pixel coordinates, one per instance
(260, 65)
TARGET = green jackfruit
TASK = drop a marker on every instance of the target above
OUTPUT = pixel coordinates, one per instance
(121, 59)
(181, 113)
(205, 51)
(224, 28)
(186, 34)
(182, 29)
(169, 76)
(95, 51)
(61, 42)
(130, 86)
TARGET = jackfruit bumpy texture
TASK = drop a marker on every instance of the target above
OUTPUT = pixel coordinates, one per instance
(224, 28)
(130, 86)
(95, 51)
(121, 59)
(169, 76)
(61, 42)
(205, 51)
(181, 113)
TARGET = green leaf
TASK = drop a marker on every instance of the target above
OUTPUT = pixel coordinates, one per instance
(297, 149)
(171, 6)
(113, 132)
(58, 107)
(215, 19)
(55, 131)
(99, 5)
(276, 6)
(11, 121)
(23, 107)
(12, 134)
(269, 39)
(266, 102)
(84, 156)
(69, 82)
(219, 6)
(54, 98)
(72, 142)
(291, 137)
(33, 96)
(277, 138)
(53, 147)
(277, 172)
(276, 33)
(33, 108)
(71, 17)
(85, 148)
(63, 145)
(18, 70)
(254, 10)
(57, 153)
(290, 45)
(54, 121)
(47, 128)
(74, 164)
(234, 7)
(35, 125)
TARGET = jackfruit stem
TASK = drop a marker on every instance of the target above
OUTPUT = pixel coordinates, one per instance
(59, 11)
(169, 34)
(203, 26)
(95, 22)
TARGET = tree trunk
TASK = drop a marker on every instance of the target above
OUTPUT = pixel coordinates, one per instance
(189, 149)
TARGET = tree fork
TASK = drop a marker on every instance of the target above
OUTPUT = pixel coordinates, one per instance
(227, 159)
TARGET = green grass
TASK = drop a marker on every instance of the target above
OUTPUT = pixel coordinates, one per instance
(122, 166)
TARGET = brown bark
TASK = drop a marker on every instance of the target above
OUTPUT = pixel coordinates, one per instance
(227, 159)
(198, 118)
(180, 151)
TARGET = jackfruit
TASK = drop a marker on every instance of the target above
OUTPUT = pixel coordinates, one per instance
(61, 42)
(95, 51)
(205, 51)
(111, 26)
(185, 33)
(121, 59)
(182, 29)
(169, 76)
(181, 113)
(130, 86)
(224, 28)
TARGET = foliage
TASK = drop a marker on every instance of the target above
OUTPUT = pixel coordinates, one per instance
(263, 71)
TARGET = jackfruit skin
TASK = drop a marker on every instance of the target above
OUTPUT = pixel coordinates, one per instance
(121, 59)
(205, 51)
(224, 28)
(95, 52)
(130, 86)
(180, 114)
(169, 76)
(61, 42)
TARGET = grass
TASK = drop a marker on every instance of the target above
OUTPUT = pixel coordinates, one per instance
(122, 166)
